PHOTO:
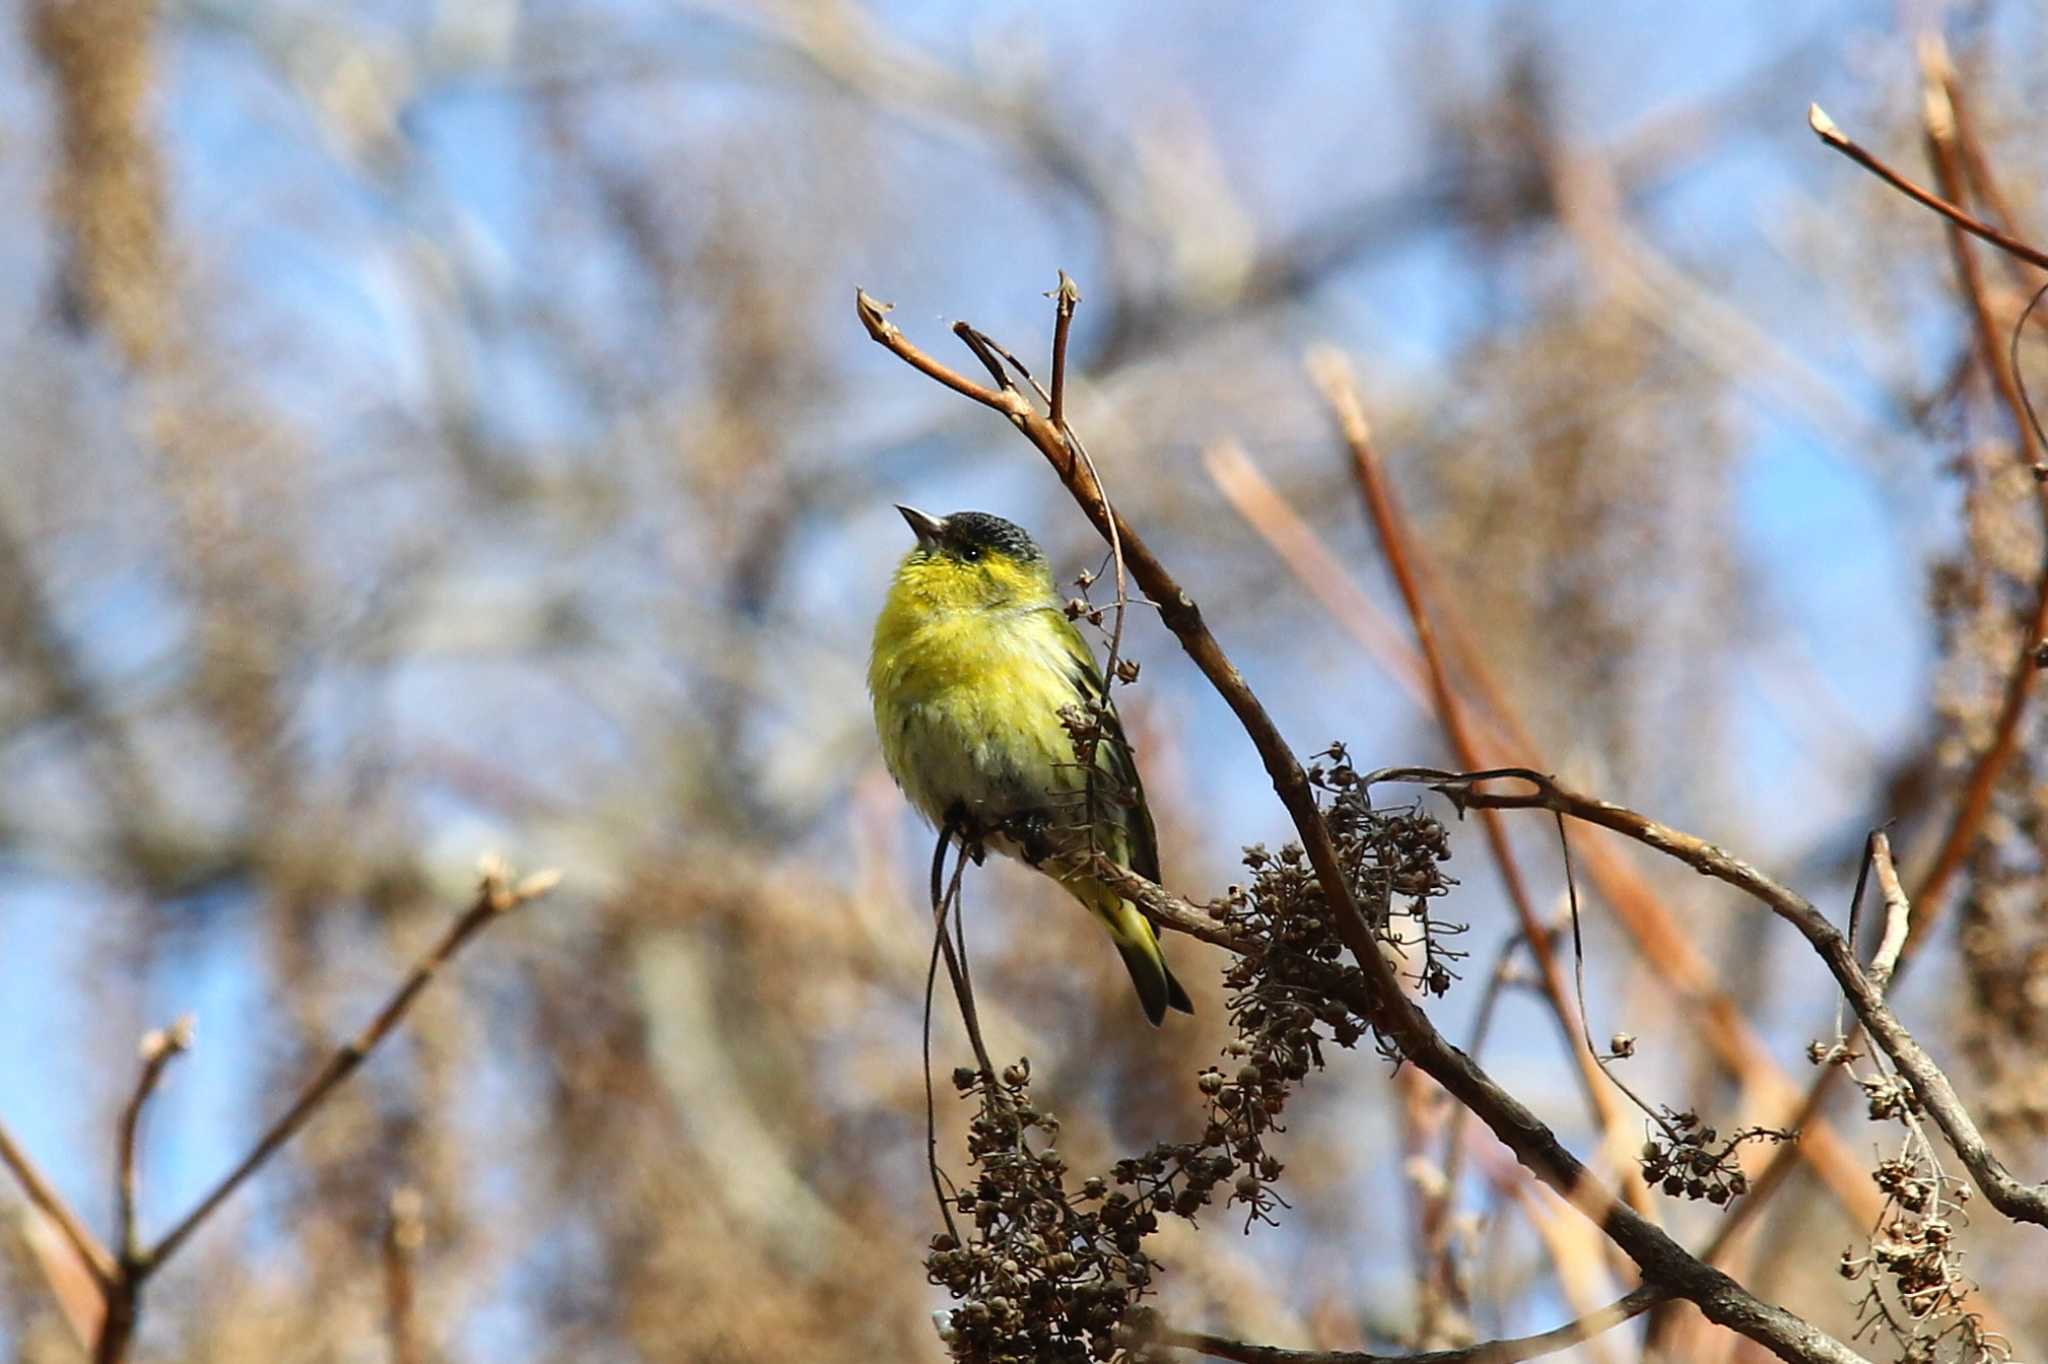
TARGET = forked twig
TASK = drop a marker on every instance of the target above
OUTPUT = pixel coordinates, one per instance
(496, 895)
(121, 1276)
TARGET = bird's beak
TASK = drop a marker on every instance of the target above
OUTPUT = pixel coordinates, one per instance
(927, 528)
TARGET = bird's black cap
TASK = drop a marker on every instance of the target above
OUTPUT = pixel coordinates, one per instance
(970, 534)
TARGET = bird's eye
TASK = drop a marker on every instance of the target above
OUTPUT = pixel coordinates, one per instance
(971, 553)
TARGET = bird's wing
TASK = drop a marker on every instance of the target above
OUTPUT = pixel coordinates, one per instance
(1113, 755)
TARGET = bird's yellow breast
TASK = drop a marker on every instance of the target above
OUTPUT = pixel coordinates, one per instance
(967, 703)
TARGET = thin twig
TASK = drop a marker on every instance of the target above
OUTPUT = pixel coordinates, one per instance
(495, 896)
(1571, 892)
(945, 901)
(956, 969)
(2013, 1197)
(1939, 68)
(1066, 297)
(1898, 913)
(931, 977)
(1824, 127)
(44, 1196)
(2012, 359)
(404, 1233)
(1863, 867)
(1488, 1352)
(160, 1046)
(1333, 376)
(2002, 364)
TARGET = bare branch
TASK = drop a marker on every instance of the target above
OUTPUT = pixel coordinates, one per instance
(875, 317)
(2002, 366)
(1066, 297)
(496, 894)
(1332, 375)
(51, 1204)
(2013, 1197)
(1898, 913)
(1824, 128)
(160, 1046)
(404, 1233)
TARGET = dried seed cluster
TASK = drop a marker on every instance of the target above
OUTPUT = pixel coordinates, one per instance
(1040, 1277)
(1915, 1286)
(1048, 1274)
(1288, 990)
(1689, 1159)
(1394, 862)
(1888, 1097)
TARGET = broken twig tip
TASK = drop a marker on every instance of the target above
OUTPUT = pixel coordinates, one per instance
(1934, 58)
(1824, 127)
(874, 314)
(159, 1043)
(1937, 112)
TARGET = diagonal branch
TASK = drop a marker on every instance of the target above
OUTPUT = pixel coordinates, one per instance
(1824, 128)
(2015, 1198)
(1656, 932)
(1982, 781)
(1378, 996)
(44, 1196)
(495, 896)
(1333, 376)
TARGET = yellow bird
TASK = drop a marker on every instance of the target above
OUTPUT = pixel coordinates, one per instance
(974, 661)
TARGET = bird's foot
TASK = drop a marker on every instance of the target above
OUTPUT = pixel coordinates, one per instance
(968, 830)
(1031, 831)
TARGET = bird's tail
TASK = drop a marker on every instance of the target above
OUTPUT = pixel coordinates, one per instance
(1135, 940)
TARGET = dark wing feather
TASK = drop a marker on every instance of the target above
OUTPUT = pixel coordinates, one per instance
(1113, 757)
